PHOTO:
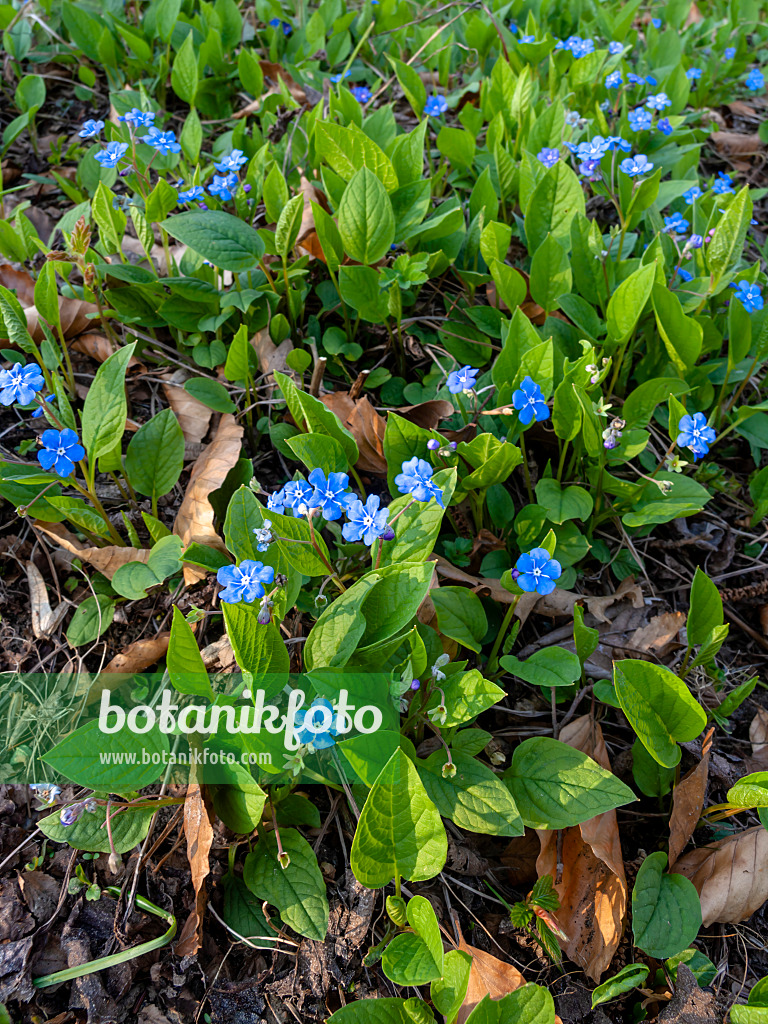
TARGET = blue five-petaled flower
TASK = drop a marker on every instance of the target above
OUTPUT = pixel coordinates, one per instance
(462, 380)
(366, 521)
(330, 495)
(112, 154)
(20, 383)
(416, 479)
(244, 582)
(548, 156)
(232, 161)
(139, 118)
(90, 129)
(316, 726)
(224, 185)
(436, 105)
(633, 166)
(755, 80)
(60, 451)
(537, 571)
(529, 402)
(695, 434)
(163, 142)
(749, 295)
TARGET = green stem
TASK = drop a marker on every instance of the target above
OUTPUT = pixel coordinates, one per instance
(561, 463)
(492, 665)
(526, 469)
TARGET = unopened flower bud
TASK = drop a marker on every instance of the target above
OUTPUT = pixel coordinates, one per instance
(389, 534)
(283, 859)
(415, 684)
(433, 444)
(247, 188)
(69, 815)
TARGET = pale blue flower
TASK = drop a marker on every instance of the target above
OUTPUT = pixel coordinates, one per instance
(537, 571)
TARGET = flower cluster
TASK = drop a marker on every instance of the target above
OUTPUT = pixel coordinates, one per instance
(612, 433)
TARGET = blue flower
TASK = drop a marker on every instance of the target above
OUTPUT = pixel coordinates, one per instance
(664, 126)
(60, 451)
(749, 296)
(416, 479)
(190, 194)
(634, 79)
(572, 118)
(639, 120)
(244, 582)
(285, 25)
(656, 22)
(755, 80)
(316, 726)
(658, 102)
(276, 501)
(723, 185)
(529, 402)
(692, 194)
(616, 142)
(90, 128)
(330, 495)
(633, 166)
(37, 414)
(436, 105)
(232, 161)
(695, 434)
(224, 185)
(361, 93)
(589, 169)
(729, 53)
(462, 380)
(676, 223)
(139, 118)
(614, 80)
(163, 142)
(296, 495)
(366, 521)
(684, 275)
(693, 74)
(112, 154)
(593, 149)
(337, 78)
(695, 242)
(527, 39)
(263, 535)
(538, 571)
(548, 157)
(615, 48)
(20, 383)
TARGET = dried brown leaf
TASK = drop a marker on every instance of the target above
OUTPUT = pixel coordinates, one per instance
(44, 618)
(139, 655)
(18, 281)
(271, 356)
(366, 426)
(658, 633)
(194, 520)
(199, 834)
(107, 559)
(736, 143)
(73, 318)
(593, 887)
(307, 237)
(194, 417)
(729, 876)
(758, 734)
(487, 976)
(688, 801)
(427, 414)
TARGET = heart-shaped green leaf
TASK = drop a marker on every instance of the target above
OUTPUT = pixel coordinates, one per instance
(666, 911)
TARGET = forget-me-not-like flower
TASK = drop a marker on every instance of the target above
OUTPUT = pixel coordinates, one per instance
(367, 521)
(633, 166)
(112, 154)
(60, 451)
(749, 295)
(416, 479)
(232, 161)
(436, 105)
(537, 571)
(90, 129)
(163, 142)
(462, 380)
(20, 383)
(548, 156)
(528, 399)
(640, 120)
(330, 494)
(695, 434)
(244, 582)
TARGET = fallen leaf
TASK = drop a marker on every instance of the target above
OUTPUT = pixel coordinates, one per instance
(44, 618)
(694, 16)
(427, 414)
(194, 520)
(107, 560)
(487, 976)
(72, 311)
(98, 347)
(271, 356)
(736, 143)
(366, 426)
(307, 237)
(729, 876)
(688, 801)
(18, 281)
(658, 633)
(194, 417)
(199, 834)
(138, 656)
(520, 856)
(758, 734)
(593, 888)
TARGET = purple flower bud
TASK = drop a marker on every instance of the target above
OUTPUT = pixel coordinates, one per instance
(125, 170)
(202, 206)
(247, 188)
(264, 615)
(433, 444)
(91, 805)
(389, 534)
(514, 573)
(69, 815)
(415, 684)
(452, 446)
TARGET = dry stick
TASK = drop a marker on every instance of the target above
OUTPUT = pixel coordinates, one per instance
(358, 384)
(317, 376)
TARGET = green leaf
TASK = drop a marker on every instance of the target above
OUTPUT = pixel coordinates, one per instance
(240, 801)
(417, 528)
(384, 1011)
(448, 992)
(530, 1004)
(186, 668)
(659, 707)
(585, 638)
(725, 247)
(399, 833)
(346, 150)
(467, 694)
(184, 74)
(366, 220)
(551, 274)
(751, 791)
(89, 833)
(258, 648)
(242, 911)
(629, 977)
(319, 451)
(105, 407)
(651, 778)
(298, 891)
(416, 957)
(111, 221)
(316, 415)
(411, 84)
(211, 393)
(155, 456)
(225, 240)
(461, 616)
(160, 201)
(666, 912)
(553, 204)
(79, 756)
(133, 579)
(456, 145)
(706, 611)
(682, 335)
(80, 513)
(556, 786)
(563, 503)
(474, 798)
(628, 302)
(288, 224)
(92, 618)
(46, 294)
(551, 666)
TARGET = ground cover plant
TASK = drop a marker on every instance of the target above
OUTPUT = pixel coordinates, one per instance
(383, 512)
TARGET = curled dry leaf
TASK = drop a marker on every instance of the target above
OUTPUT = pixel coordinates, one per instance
(107, 559)
(660, 631)
(199, 834)
(136, 657)
(736, 143)
(758, 735)
(44, 618)
(487, 976)
(193, 416)
(98, 347)
(194, 520)
(688, 800)
(366, 426)
(271, 356)
(72, 311)
(307, 237)
(729, 876)
(593, 887)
